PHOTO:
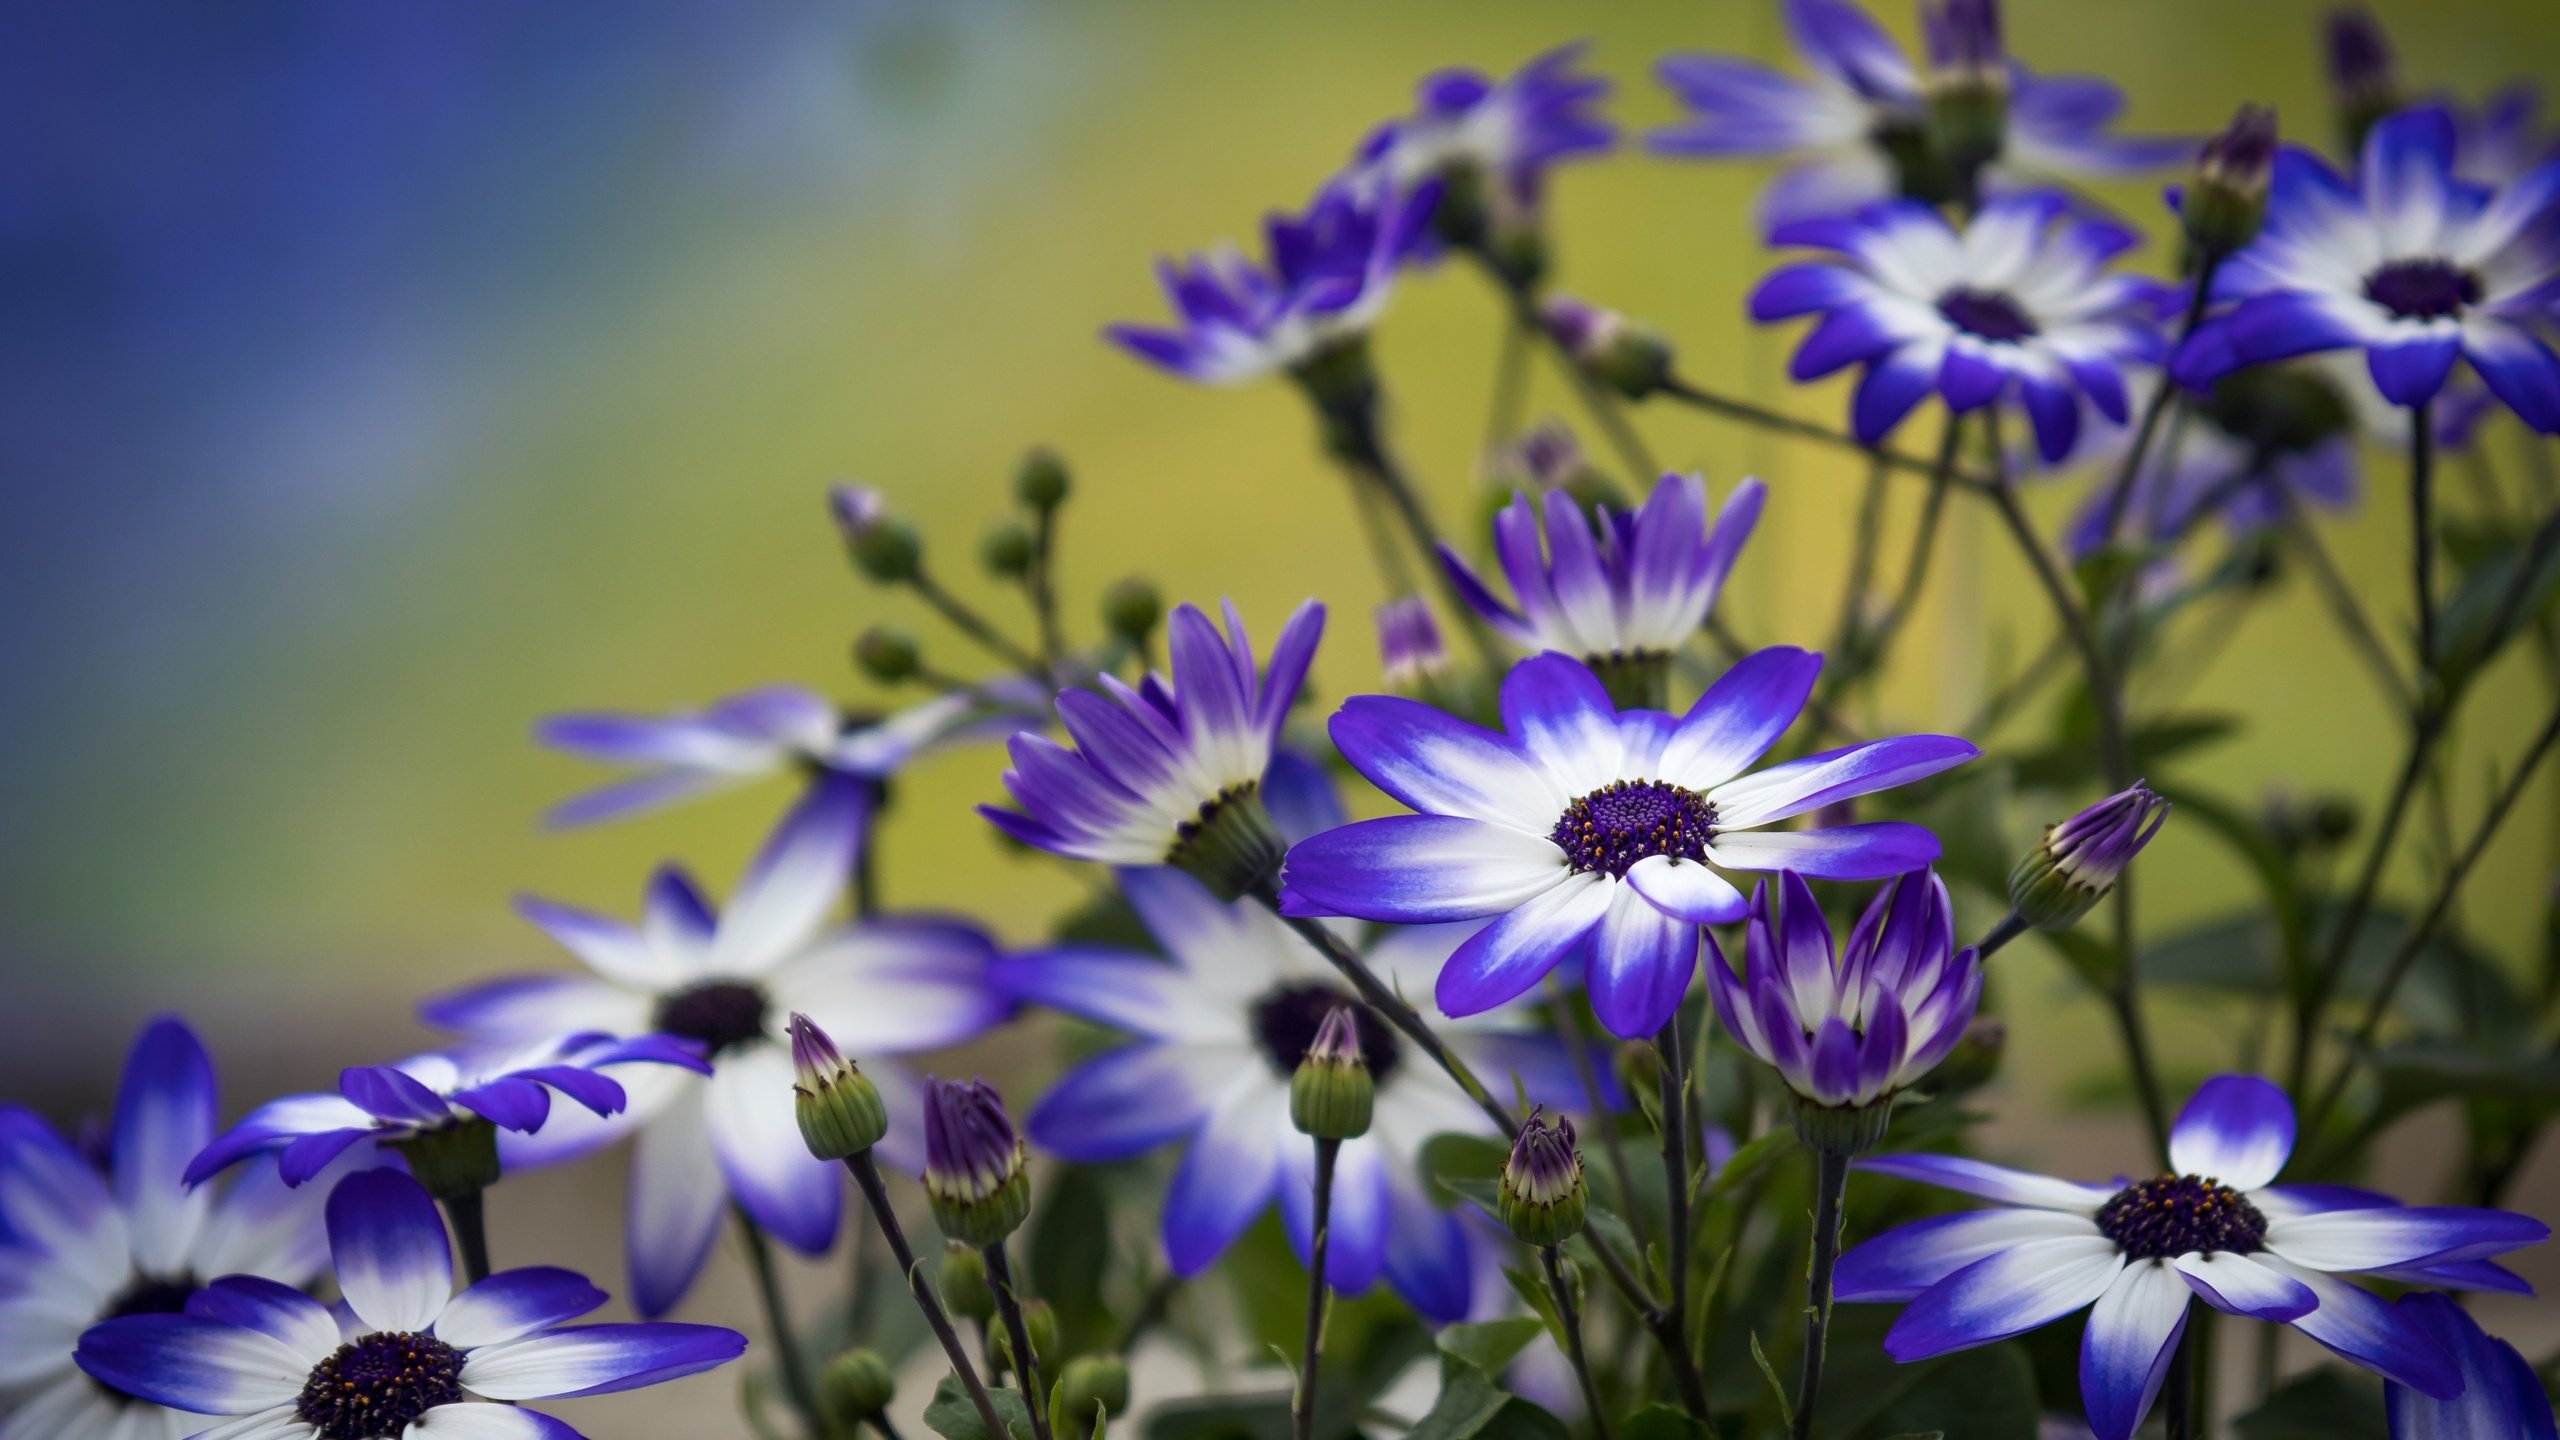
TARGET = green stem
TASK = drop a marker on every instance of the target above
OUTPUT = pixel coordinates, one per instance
(2177, 1394)
(1572, 1322)
(1675, 1184)
(1044, 587)
(1830, 1183)
(1026, 1361)
(2422, 534)
(1868, 653)
(1577, 1049)
(970, 623)
(2011, 926)
(2115, 752)
(1760, 415)
(777, 1321)
(1510, 377)
(1302, 1404)
(470, 1233)
(866, 1174)
(2121, 491)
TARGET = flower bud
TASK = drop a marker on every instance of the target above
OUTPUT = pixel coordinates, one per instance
(965, 1290)
(884, 547)
(2223, 206)
(1040, 1322)
(1542, 1191)
(1410, 653)
(2076, 863)
(1040, 481)
(886, 655)
(1628, 357)
(1006, 551)
(1089, 1382)
(1331, 1094)
(857, 1385)
(2363, 78)
(1968, 84)
(1132, 609)
(976, 1171)
(1842, 1129)
(838, 1107)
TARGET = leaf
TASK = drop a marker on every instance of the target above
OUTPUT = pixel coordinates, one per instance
(1777, 1387)
(1660, 1422)
(1471, 1408)
(2240, 953)
(2331, 1403)
(2495, 601)
(1070, 1248)
(1490, 1345)
(1221, 1417)
(1993, 1389)
(2075, 759)
(954, 1416)
(1746, 1163)
(1450, 1156)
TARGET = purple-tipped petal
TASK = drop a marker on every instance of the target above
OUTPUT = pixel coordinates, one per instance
(1513, 953)
(1440, 765)
(1686, 890)
(1419, 868)
(1876, 850)
(2501, 1399)
(515, 1303)
(1992, 1182)
(1129, 1101)
(388, 1245)
(2006, 1294)
(1739, 717)
(2237, 1129)
(2242, 1286)
(1902, 1262)
(598, 1360)
(1639, 965)
(1226, 1178)
(2124, 1355)
(164, 1118)
(186, 1363)
(1793, 788)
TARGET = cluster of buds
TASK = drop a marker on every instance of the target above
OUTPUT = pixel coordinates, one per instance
(1628, 357)
(2076, 863)
(976, 1169)
(2222, 207)
(1968, 85)
(1331, 1094)
(838, 1107)
(1542, 1191)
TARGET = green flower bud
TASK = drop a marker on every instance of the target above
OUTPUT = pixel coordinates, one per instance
(857, 1385)
(1630, 358)
(1842, 1129)
(1331, 1094)
(1040, 1322)
(1132, 609)
(454, 1160)
(884, 547)
(1006, 552)
(1040, 482)
(1542, 1196)
(1088, 1382)
(965, 1291)
(2223, 205)
(886, 655)
(838, 1107)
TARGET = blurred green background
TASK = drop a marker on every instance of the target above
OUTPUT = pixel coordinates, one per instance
(386, 379)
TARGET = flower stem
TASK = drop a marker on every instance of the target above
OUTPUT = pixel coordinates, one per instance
(1767, 419)
(1577, 1049)
(1353, 438)
(1043, 586)
(777, 1321)
(1026, 1362)
(2177, 1393)
(866, 1174)
(1302, 1405)
(1510, 377)
(1572, 1321)
(1675, 1184)
(2422, 534)
(2120, 493)
(1862, 651)
(470, 1233)
(1830, 1183)
(2011, 926)
(970, 623)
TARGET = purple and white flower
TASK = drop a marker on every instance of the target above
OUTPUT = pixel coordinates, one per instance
(1630, 597)
(2501, 1399)
(1324, 282)
(265, 1360)
(2409, 264)
(2219, 1228)
(1848, 1027)
(2018, 304)
(85, 1239)
(726, 982)
(1219, 1027)
(1582, 830)
(1495, 139)
(1846, 130)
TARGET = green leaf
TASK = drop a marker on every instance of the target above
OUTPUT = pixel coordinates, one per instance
(1221, 1417)
(1993, 1389)
(2075, 760)
(2331, 1403)
(1660, 1422)
(2241, 953)
(2497, 600)
(954, 1416)
(1531, 1287)
(1450, 1157)
(1070, 1249)
(1747, 1162)
(1777, 1387)
(1492, 1344)
(1471, 1408)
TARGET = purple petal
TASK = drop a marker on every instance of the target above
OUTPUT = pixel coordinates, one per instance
(1129, 1101)
(2124, 1355)
(1902, 1262)
(388, 1244)
(2401, 1236)
(1557, 711)
(187, 1363)
(1876, 850)
(510, 1102)
(1793, 788)
(2237, 1129)
(2239, 1285)
(390, 1093)
(1639, 965)
(1891, 386)
(1739, 717)
(598, 1360)
(1992, 1182)
(303, 1324)
(1687, 890)
(677, 1200)
(515, 1303)
(2410, 371)
(2355, 1323)
(1440, 765)
(2005, 1294)
(1411, 868)
(164, 1118)
(793, 1195)
(1513, 953)
(2501, 1399)
(1225, 1179)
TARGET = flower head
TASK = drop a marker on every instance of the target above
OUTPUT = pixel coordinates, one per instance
(1331, 1096)
(1624, 600)
(1858, 128)
(1846, 1027)
(2017, 304)
(2224, 204)
(1581, 829)
(2409, 264)
(271, 1361)
(1168, 773)
(1491, 142)
(96, 1236)
(1325, 279)
(1541, 1186)
(2133, 1253)
(2076, 863)
(838, 1108)
(975, 1167)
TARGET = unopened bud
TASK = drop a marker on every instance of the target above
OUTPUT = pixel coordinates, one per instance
(2223, 206)
(884, 547)
(1331, 1093)
(857, 1385)
(1628, 357)
(976, 1169)
(1040, 1322)
(1087, 1384)
(964, 1283)
(1040, 482)
(1006, 551)
(1132, 609)
(1541, 1191)
(1410, 653)
(2076, 863)
(2363, 78)
(838, 1108)
(1968, 84)
(886, 655)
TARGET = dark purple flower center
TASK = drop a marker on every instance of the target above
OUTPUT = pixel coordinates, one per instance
(1286, 1019)
(2422, 289)
(722, 1014)
(2177, 1215)
(1618, 824)
(151, 1295)
(379, 1385)
(1986, 313)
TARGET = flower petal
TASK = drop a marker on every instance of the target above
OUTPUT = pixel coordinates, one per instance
(388, 1245)
(164, 1118)
(2401, 1236)
(2501, 1399)
(1740, 716)
(2242, 1286)
(513, 1304)
(756, 1136)
(1818, 780)
(2355, 1323)
(303, 1324)
(786, 892)
(1908, 1259)
(598, 1360)
(1225, 1179)
(678, 1195)
(2237, 1129)
(187, 1363)
(2124, 1354)
(1128, 1101)
(2005, 1294)
(1992, 1182)
(1639, 965)
(1557, 711)
(1438, 764)
(483, 1422)
(1505, 958)
(1687, 890)
(1872, 851)
(1409, 868)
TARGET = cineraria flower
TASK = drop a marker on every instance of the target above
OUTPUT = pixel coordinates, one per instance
(1220, 1027)
(2502, 140)
(2411, 265)
(2017, 302)
(1490, 142)
(727, 982)
(412, 1104)
(1327, 277)
(2501, 1399)
(90, 1240)
(1847, 1028)
(976, 1169)
(2075, 863)
(1856, 130)
(1168, 774)
(763, 732)
(1585, 830)
(275, 1364)
(2218, 1228)
(1624, 601)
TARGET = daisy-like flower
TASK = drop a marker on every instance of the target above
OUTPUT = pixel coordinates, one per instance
(1624, 601)
(267, 1361)
(1168, 774)
(1856, 129)
(2409, 264)
(1848, 1027)
(2133, 1253)
(727, 982)
(2018, 304)
(88, 1241)
(414, 1105)
(764, 732)
(1584, 830)
(1219, 1028)
(1325, 280)
(2501, 1399)
(1491, 142)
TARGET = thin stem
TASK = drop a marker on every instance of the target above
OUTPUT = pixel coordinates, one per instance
(1572, 1321)
(970, 623)
(2126, 1002)
(1785, 424)
(1026, 1361)
(1577, 1049)
(2177, 1394)
(1510, 382)
(2114, 750)
(1830, 1183)
(2121, 491)
(777, 1323)
(1352, 436)
(1043, 586)
(1369, 502)
(2029, 679)
(866, 1174)
(1867, 654)
(2343, 603)
(2011, 926)
(879, 1420)
(2422, 533)
(1302, 1405)
(470, 1233)
(1675, 1183)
